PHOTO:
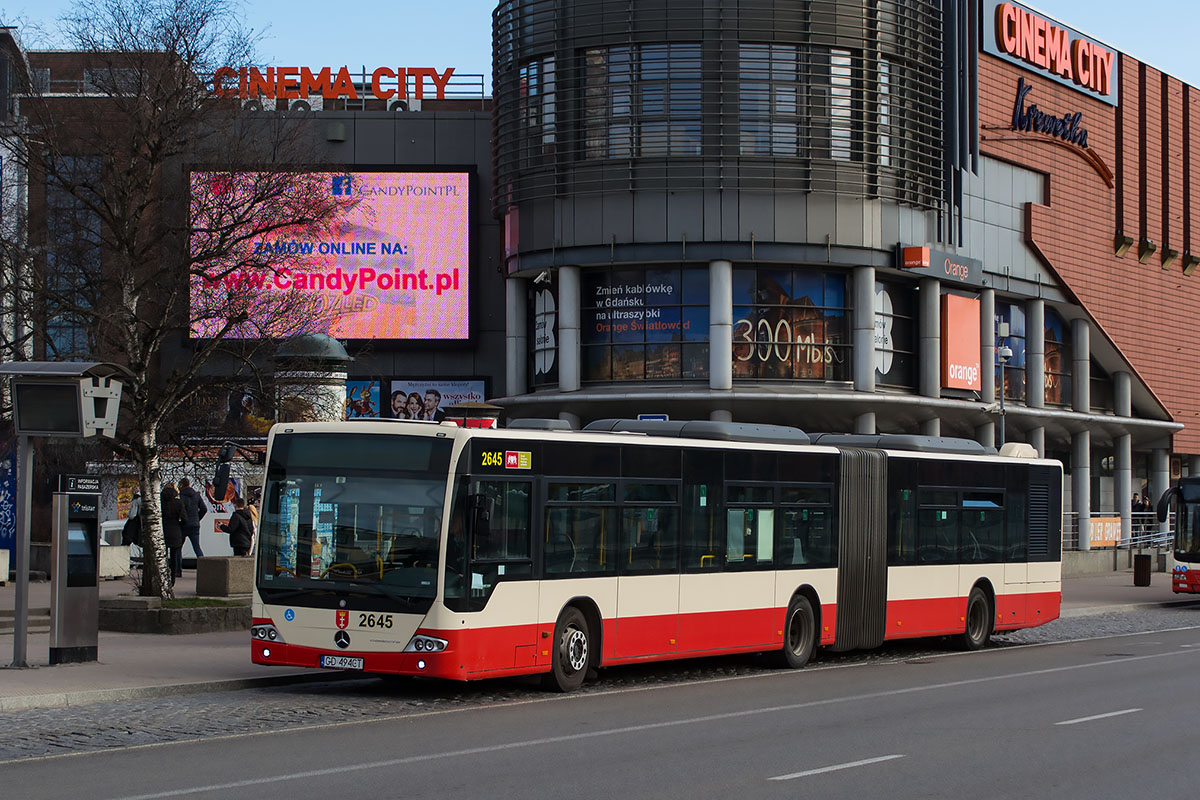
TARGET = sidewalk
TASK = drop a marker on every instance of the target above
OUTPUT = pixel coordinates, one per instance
(145, 665)
(132, 665)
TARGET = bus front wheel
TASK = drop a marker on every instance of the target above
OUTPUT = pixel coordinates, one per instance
(978, 621)
(572, 652)
(799, 632)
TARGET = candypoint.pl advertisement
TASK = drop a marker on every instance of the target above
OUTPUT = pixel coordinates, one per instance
(359, 255)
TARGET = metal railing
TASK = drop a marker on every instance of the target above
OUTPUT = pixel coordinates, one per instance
(1145, 532)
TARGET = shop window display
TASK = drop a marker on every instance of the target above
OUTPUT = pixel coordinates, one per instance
(790, 324)
(644, 324)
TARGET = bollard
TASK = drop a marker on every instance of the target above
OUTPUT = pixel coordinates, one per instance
(1141, 569)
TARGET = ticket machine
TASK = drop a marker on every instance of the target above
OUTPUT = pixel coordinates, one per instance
(75, 599)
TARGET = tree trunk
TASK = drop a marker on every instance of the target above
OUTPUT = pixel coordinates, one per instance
(157, 578)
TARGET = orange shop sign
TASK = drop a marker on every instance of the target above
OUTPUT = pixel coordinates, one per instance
(940, 265)
(294, 83)
(960, 343)
(1022, 36)
(1104, 531)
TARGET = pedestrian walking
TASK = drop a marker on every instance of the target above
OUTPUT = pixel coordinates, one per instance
(240, 528)
(172, 522)
(193, 511)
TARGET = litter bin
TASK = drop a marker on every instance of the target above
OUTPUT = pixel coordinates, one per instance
(1141, 569)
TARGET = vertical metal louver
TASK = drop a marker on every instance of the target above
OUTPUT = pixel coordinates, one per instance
(1039, 520)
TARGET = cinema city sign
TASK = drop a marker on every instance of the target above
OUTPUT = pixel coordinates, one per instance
(294, 83)
(1024, 37)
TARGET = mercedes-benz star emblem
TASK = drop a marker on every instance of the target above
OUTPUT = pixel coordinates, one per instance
(341, 639)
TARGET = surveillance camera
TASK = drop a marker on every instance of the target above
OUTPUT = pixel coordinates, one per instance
(543, 277)
(1004, 353)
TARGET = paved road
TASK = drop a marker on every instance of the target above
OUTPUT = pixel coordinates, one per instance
(908, 717)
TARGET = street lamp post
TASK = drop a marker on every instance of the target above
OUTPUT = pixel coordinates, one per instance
(1003, 354)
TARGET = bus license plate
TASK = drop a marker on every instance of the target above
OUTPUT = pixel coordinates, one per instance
(341, 662)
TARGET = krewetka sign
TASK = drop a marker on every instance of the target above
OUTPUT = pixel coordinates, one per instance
(1024, 37)
(388, 259)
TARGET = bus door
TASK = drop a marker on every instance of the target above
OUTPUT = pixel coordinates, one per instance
(498, 576)
(862, 550)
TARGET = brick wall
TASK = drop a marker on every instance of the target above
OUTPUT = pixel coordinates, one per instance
(1147, 311)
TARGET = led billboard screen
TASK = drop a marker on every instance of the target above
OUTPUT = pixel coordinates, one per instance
(356, 255)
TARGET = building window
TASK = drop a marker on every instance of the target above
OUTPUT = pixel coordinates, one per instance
(1013, 379)
(647, 324)
(642, 100)
(1058, 359)
(790, 324)
(895, 335)
(797, 101)
(884, 117)
(536, 112)
(72, 259)
(1101, 394)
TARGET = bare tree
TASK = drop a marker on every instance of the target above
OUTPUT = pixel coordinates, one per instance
(156, 213)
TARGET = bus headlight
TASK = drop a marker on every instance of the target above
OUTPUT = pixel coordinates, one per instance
(425, 644)
(265, 633)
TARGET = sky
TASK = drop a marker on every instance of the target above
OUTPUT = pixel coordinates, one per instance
(457, 33)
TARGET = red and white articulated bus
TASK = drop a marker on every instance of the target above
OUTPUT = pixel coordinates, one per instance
(427, 549)
(1185, 575)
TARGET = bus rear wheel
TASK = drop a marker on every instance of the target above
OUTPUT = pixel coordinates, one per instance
(799, 633)
(978, 623)
(572, 652)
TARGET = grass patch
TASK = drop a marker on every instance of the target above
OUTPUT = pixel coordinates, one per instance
(198, 602)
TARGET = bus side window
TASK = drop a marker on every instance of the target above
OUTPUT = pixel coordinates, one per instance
(703, 530)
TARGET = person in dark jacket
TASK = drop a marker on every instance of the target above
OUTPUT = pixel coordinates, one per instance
(193, 511)
(240, 528)
(172, 515)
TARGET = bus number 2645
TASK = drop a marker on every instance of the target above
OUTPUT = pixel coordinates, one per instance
(374, 620)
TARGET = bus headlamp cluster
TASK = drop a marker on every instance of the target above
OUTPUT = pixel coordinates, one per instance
(425, 644)
(265, 632)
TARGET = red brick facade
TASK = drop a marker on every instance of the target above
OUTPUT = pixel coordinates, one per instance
(1148, 312)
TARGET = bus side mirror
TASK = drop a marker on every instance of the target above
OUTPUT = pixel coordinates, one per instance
(482, 508)
(1164, 503)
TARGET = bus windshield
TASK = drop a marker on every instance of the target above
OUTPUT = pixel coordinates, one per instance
(357, 514)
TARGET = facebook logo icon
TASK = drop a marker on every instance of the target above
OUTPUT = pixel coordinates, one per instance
(341, 184)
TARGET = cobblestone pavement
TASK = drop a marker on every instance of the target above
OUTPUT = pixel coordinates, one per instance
(102, 726)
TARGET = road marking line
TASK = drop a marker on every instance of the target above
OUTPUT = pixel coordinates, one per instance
(834, 768)
(1099, 716)
(645, 727)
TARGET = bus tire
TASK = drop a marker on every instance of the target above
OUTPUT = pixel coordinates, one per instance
(978, 621)
(572, 653)
(799, 633)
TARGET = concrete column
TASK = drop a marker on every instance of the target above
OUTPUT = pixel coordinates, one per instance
(985, 434)
(1037, 438)
(573, 419)
(931, 427)
(1081, 484)
(516, 338)
(1081, 375)
(987, 344)
(1194, 466)
(1123, 457)
(1123, 482)
(568, 329)
(1035, 353)
(863, 336)
(1160, 480)
(1122, 393)
(865, 423)
(929, 326)
(721, 415)
(720, 325)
